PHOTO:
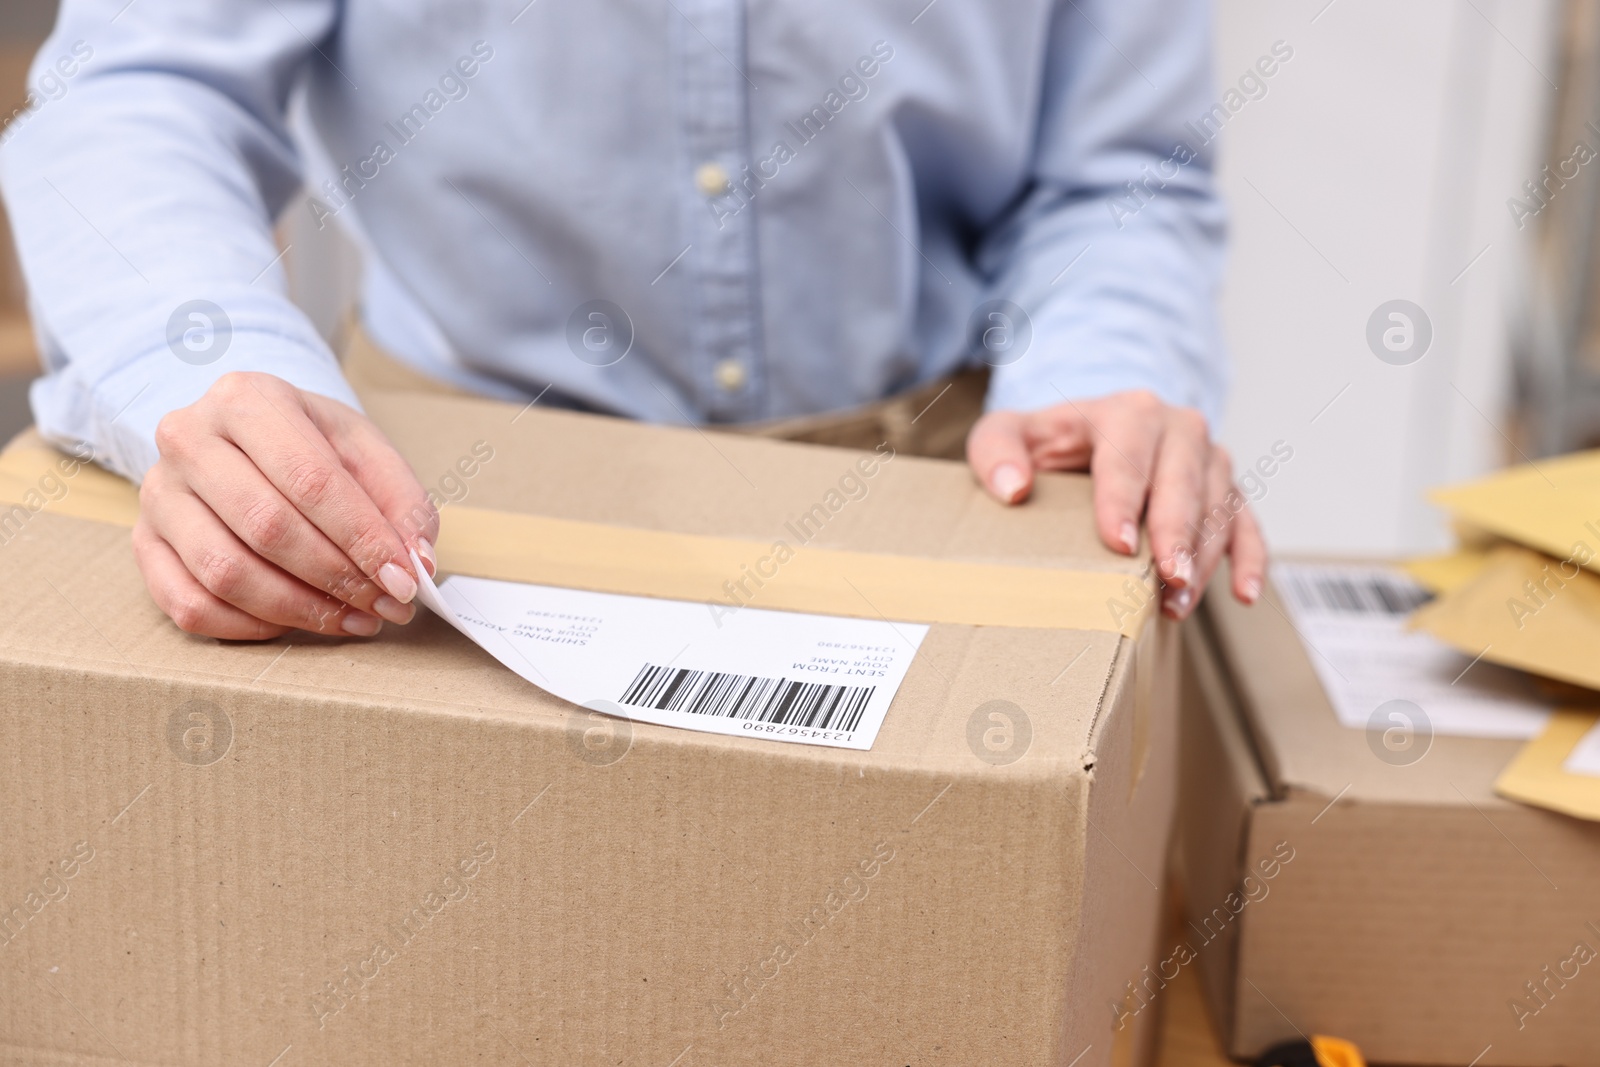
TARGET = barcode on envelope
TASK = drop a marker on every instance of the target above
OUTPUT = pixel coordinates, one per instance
(741, 696)
(1356, 593)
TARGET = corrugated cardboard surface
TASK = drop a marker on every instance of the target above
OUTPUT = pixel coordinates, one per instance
(1421, 916)
(1218, 804)
(608, 470)
(322, 852)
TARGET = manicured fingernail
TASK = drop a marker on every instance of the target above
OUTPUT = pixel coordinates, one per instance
(1252, 590)
(397, 583)
(1008, 482)
(425, 552)
(1130, 537)
(361, 625)
(1182, 569)
(1181, 603)
(393, 610)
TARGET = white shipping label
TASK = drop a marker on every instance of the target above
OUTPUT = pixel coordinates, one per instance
(1352, 619)
(778, 675)
(1585, 755)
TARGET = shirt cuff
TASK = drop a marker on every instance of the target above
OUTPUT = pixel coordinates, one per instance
(120, 411)
(1046, 375)
(1016, 392)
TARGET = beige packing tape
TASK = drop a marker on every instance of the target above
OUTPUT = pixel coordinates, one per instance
(35, 477)
(618, 559)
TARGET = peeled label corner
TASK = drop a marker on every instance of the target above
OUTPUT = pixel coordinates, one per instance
(776, 675)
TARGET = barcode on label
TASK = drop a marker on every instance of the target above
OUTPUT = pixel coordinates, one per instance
(741, 696)
(1357, 594)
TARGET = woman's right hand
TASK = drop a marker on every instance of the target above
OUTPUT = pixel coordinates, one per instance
(273, 509)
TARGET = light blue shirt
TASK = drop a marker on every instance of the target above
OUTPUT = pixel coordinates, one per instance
(701, 211)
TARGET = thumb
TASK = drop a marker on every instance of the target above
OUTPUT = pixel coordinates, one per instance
(998, 455)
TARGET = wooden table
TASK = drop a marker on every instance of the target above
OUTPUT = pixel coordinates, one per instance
(1187, 1038)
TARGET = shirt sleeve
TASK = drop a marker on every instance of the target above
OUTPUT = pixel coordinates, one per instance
(142, 179)
(1113, 256)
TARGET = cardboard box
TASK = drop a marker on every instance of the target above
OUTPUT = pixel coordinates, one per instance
(1401, 905)
(341, 852)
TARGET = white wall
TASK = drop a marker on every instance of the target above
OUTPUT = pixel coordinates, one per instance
(1376, 168)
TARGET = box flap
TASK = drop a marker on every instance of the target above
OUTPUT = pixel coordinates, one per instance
(687, 480)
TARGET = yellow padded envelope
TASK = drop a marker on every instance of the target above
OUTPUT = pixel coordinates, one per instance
(1552, 505)
(1524, 610)
(1447, 571)
(1537, 775)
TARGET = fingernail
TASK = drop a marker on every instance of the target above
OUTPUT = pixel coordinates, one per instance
(397, 583)
(1182, 569)
(1008, 482)
(393, 610)
(360, 625)
(425, 552)
(1252, 590)
(1181, 603)
(1130, 537)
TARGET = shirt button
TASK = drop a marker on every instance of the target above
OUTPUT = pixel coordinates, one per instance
(730, 374)
(711, 179)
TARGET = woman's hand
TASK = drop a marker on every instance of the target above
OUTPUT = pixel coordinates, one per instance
(1148, 460)
(273, 509)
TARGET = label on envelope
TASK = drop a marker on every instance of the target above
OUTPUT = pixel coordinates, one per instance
(1585, 756)
(776, 675)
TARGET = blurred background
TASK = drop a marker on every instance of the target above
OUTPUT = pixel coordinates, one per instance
(1399, 155)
